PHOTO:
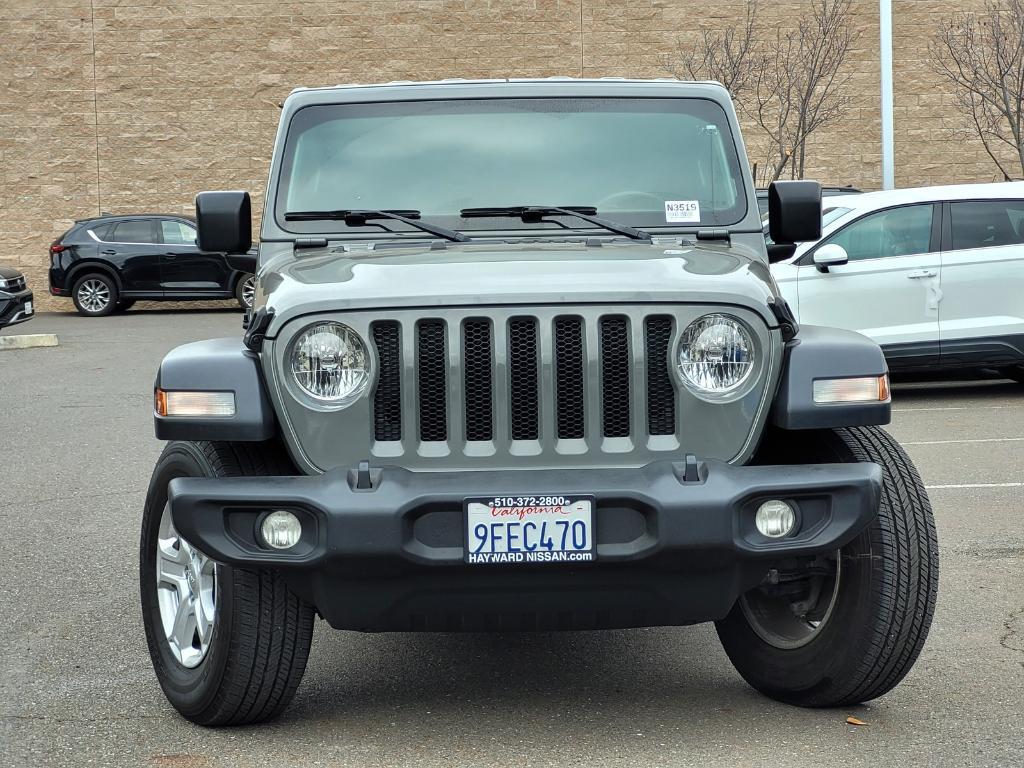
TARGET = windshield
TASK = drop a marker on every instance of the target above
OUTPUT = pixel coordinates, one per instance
(669, 163)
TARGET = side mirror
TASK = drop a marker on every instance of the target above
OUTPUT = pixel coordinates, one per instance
(794, 211)
(830, 255)
(224, 220)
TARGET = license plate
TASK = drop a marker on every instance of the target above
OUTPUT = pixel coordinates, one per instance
(529, 529)
(28, 307)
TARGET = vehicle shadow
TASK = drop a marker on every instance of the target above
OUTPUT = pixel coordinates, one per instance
(677, 671)
(906, 390)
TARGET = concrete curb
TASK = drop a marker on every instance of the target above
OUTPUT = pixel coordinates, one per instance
(28, 341)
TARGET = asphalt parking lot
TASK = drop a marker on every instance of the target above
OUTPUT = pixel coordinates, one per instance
(76, 687)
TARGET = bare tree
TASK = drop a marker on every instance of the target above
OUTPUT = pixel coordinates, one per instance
(727, 55)
(798, 84)
(982, 55)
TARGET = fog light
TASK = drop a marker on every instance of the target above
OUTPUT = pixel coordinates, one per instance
(775, 519)
(281, 529)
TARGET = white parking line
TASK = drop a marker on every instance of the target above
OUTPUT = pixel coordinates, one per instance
(976, 440)
(974, 485)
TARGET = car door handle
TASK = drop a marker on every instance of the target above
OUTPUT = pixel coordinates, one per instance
(918, 274)
(109, 252)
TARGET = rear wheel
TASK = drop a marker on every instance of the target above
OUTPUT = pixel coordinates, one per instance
(845, 627)
(245, 291)
(94, 295)
(228, 645)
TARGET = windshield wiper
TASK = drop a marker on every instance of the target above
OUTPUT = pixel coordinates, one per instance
(358, 218)
(535, 213)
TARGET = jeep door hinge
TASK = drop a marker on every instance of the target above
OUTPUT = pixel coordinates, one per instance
(257, 330)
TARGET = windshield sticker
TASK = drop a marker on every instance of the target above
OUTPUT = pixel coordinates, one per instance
(682, 211)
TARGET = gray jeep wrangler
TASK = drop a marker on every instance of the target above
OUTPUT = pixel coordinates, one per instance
(516, 362)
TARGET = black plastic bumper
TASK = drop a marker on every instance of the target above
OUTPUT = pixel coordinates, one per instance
(670, 551)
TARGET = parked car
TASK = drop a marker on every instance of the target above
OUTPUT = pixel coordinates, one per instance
(15, 297)
(108, 263)
(762, 197)
(514, 415)
(935, 275)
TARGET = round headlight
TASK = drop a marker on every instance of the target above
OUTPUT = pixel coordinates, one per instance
(330, 363)
(716, 356)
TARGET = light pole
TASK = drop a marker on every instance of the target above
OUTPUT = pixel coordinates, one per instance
(885, 46)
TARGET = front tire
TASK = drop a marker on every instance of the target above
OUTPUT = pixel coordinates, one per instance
(858, 623)
(239, 657)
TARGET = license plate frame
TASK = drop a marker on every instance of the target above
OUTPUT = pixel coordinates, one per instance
(532, 529)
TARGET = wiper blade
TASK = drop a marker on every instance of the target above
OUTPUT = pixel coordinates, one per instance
(535, 213)
(359, 217)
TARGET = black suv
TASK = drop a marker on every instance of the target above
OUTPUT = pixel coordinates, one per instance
(109, 262)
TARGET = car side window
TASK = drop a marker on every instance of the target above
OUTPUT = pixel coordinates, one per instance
(103, 231)
(893, 232)
(177, 232)
(987, 224)
(133, 231)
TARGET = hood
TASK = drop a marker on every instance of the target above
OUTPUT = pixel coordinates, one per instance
(8, 272)
(530, 273)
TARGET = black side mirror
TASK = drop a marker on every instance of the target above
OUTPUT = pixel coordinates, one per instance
(224, 220)
(794, 211)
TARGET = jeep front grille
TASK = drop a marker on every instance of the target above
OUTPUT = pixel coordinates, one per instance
(524, 379)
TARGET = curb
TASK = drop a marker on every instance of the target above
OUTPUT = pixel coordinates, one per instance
(28, 341)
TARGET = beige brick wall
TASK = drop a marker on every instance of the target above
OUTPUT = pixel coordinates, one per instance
(133, 105)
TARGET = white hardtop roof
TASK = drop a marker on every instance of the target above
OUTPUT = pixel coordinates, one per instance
(484, 81)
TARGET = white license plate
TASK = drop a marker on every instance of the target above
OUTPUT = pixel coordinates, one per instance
(530, 529)
(28, 307)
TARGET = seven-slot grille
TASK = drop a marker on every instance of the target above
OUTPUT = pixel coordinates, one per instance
(484, 379)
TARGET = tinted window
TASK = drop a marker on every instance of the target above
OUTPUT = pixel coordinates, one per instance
(136, 231)
(893, 232)
(988, 224)
(177, 232)
(103, 231)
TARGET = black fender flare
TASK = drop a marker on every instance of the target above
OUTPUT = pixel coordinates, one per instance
(818, 353)
(216, 365)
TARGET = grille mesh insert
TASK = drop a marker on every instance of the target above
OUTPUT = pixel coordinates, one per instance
(661, 397)
(476, 361)
(432, 379)
(615, 371)
(570, 387)
(387, 399)
(523, 370)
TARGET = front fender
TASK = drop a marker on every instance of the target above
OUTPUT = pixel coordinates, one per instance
(827, 353)
(216, 365)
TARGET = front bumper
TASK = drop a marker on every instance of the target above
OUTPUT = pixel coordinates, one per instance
(670, 550)
(16, 307)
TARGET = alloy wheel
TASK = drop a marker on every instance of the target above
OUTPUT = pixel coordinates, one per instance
(249, 290)
(186, 585)
(94, 295)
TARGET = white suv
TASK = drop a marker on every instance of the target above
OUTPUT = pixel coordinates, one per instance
(935, 275)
